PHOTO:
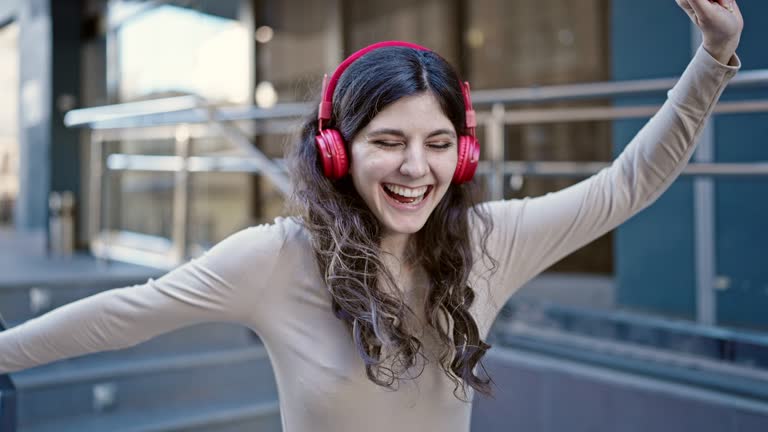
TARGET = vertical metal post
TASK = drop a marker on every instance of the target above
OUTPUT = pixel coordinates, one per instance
(704, 239)
(95, 184)
(112, 54)
(181, 193)
(495, 137)
(704, 220)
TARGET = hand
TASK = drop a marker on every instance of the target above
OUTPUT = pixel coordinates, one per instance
(720, 22)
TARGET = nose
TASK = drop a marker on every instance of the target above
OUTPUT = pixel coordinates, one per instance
(414, 161)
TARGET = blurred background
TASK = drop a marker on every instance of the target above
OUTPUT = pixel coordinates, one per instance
(135, 135)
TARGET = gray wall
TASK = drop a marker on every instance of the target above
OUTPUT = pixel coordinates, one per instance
(541, 394)
(49, 57)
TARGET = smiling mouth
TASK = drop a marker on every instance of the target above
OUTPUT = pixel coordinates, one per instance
(407, 195)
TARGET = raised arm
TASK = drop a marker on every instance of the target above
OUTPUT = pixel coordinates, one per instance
(219, 286)
(534, 233)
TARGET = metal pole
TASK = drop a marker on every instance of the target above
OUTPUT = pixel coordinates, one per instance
(495, 132)
(704, 219)
(95, 183)
(181, 193)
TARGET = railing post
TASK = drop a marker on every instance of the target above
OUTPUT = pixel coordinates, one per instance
(181, 193)
(704, 219)
(96, 179)
(495, 135)
(94, 186)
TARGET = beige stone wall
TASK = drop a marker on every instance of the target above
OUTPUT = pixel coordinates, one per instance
(546, 42)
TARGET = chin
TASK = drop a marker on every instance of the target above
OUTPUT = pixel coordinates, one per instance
(404, 227)
(408, 223)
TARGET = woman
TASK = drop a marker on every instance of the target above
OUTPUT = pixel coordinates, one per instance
(374, 302)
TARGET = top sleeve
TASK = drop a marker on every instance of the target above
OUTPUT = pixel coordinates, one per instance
(229, 283)
(531, 234)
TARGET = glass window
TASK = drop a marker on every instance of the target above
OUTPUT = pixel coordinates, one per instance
(168, 49)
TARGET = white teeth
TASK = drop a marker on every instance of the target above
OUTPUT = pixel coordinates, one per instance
(417, 200)
(406, 192)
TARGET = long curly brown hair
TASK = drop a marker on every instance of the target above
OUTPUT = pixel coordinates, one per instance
(346, 236)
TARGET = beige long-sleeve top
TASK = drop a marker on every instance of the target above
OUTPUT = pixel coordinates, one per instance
(265, 277)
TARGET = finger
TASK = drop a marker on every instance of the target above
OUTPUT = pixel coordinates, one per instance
(687, 9)
(699, 6)
(735, 7)
(729, 5)
(684, 5)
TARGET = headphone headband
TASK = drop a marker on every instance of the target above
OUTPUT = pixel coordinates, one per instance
(326, 104)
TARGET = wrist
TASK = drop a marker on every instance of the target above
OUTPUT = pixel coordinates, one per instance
(721, 53)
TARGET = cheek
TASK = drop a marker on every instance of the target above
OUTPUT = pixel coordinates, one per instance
(367, 169)
(371, 165)
(446, 166)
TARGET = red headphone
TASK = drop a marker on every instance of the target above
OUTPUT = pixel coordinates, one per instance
(330, 144)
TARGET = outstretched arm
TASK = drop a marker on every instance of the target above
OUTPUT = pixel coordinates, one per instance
(229, 283)
(534, 233)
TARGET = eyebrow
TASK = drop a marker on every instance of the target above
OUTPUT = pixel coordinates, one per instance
(400, 133)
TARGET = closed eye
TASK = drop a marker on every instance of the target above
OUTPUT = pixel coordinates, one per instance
(387, 143)
(441, 146)
(433, 145)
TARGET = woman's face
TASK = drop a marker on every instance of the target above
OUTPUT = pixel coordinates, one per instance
(403, 161)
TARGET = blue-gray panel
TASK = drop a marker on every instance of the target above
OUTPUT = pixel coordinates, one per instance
(742, 204)
(741, 215)
(654, 256)
(654, 260)
(639, 50)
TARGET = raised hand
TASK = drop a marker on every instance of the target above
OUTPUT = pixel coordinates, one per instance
(720, 22)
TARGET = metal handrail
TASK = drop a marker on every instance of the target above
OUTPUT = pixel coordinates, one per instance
(599, 113)
(95, 118)
(750, 78)
(238, 164)
(130, 114)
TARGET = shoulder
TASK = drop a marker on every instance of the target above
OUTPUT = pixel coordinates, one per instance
(261, 245)
(292, 230)
(286, 238)
(250, 259)
(283, 234)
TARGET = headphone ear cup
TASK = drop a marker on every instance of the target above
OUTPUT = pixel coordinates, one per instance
(333, 156)
(460, 160)
(341, 163)
(469, 156)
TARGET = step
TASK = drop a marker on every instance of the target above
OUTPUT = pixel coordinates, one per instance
(61, 392)
(21, 302)
(221, 417)
(22, 266)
